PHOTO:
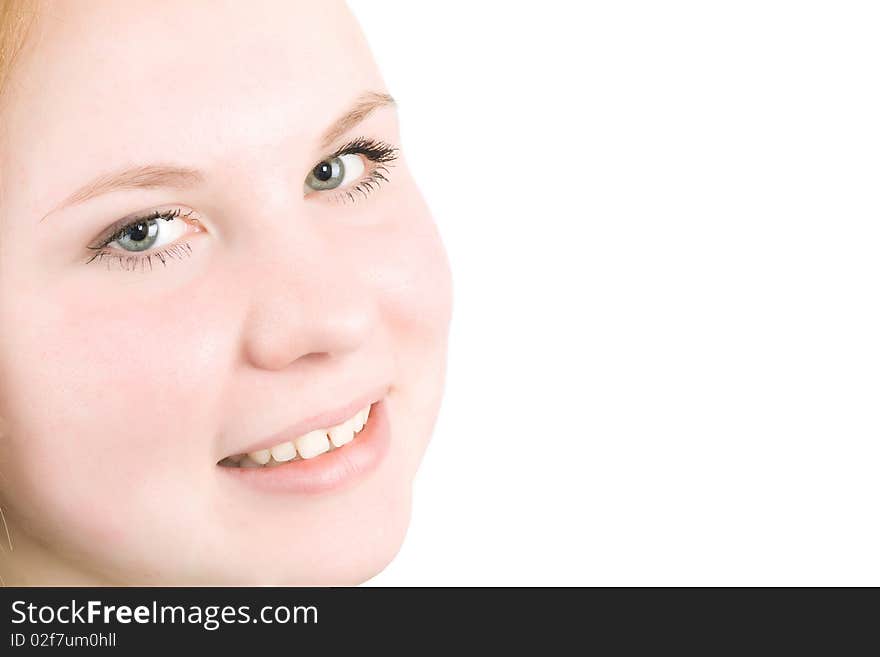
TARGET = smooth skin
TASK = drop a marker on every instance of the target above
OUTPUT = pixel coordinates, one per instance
(120, 390)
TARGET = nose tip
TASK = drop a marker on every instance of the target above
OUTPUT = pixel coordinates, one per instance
(302, 317)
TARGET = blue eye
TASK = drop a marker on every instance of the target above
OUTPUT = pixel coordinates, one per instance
(149, 232)
(138, 240)
(354, 168)
(140, 236)
(335, 172)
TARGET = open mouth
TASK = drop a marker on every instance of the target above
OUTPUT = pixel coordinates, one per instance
(305, 447)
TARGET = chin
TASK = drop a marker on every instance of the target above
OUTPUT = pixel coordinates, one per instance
(364, 557)
(343, 560)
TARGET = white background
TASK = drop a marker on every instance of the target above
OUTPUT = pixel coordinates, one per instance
(663, 224)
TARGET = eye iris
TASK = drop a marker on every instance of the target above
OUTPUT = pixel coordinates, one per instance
(140, 236)
(329, 174)
(138, 232)
(323, 171)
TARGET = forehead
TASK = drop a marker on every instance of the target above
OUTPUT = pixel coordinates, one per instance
(104, 84)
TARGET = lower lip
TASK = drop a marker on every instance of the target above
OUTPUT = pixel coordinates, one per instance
(329, 471)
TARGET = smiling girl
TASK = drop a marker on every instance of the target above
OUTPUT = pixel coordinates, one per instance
(224, 304)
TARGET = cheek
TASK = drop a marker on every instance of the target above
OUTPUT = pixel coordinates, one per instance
(415, 290)
(117, 367)
(413, 277)
(101, 402)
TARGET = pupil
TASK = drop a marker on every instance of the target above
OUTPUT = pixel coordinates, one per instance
(323, 171)
(139, 232)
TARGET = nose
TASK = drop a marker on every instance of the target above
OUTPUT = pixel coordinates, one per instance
(307, 299)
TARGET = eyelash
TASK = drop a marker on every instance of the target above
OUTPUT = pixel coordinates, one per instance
(379, 153)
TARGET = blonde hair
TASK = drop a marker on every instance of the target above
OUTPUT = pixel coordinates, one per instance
(16, 18)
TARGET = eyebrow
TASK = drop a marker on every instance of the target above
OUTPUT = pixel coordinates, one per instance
(368, 102)
(175, 177)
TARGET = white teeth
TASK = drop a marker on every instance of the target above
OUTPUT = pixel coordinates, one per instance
(312, 444)
(358, 421)
(284, 452)
(307, 446)
(260, 456)
(341, 434)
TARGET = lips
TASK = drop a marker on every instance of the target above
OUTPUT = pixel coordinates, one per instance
(330, 470)
(306, 446)
(321, 421)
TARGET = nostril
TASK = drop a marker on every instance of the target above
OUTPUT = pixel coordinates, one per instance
(315, 356)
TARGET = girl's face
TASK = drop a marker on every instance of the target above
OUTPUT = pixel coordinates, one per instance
(281, 290)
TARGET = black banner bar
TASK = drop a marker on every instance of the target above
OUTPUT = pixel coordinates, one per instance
(550, 620)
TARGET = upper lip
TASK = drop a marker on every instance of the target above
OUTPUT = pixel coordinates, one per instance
(323, 420)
